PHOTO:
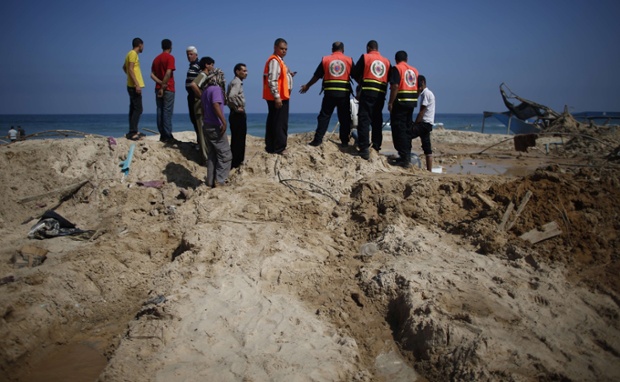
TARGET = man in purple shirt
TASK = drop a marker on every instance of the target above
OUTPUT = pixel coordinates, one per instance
(219, 156)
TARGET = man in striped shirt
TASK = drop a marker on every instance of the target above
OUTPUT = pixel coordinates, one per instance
(192, 72)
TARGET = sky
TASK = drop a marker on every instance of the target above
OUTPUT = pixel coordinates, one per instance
(65, 57)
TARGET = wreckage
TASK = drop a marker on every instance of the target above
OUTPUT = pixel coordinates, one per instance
(528, 117)
(523, 116)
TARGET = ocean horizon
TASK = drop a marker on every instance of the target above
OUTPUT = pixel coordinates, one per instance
(117, 125)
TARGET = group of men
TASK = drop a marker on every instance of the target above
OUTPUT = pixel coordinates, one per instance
(373, 73)
(206, 97)
(205, 86)
(16, 134)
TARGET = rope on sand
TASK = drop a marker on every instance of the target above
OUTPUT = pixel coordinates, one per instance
(553, 134)
(65, 133)
(319, 189)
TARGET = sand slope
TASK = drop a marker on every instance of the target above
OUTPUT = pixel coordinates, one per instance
(318, 266)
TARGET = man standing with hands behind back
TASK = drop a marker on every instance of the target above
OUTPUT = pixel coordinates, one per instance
(192, 73)
(277, 85)
(162, 73)
(237, 117)
(135, 83)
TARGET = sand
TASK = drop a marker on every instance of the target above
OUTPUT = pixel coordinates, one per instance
(317, 266)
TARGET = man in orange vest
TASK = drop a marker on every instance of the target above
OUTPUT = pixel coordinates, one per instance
(403, 99)
(371, 72)
(335, 70)
(277, 85)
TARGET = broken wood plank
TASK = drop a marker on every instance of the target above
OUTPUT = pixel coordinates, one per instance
(486, 200)
(64, 192)
(549, 230)
(526, 199)
(502, 225)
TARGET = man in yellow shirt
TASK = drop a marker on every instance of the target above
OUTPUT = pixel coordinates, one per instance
(135, 83)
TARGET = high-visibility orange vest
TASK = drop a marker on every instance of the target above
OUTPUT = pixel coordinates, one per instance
(376, 69)
(283, 88)
(408, 87)
(337, 74)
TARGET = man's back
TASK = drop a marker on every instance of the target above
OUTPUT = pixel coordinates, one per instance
(161, 64)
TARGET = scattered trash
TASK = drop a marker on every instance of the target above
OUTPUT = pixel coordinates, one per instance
(53, 225)
(368, 249)
(152, 183)
(127, 162)
(7, 279)
(156, 300)
(29, 256)
(523, 141)
(415, 160)
(112, 143)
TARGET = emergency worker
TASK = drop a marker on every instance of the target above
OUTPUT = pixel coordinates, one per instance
(371, 72)
(335, 70)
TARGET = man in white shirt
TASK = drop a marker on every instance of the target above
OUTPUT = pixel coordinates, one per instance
(424, 121)
(12, 134)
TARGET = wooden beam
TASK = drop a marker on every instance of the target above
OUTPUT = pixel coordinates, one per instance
(527, 197)
(549, 230)
(486, 200)
(502, 225)
(64, 192)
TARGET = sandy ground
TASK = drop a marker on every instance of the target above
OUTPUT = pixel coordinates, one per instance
(317, 266)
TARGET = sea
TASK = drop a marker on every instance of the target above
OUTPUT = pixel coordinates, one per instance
(116, 125)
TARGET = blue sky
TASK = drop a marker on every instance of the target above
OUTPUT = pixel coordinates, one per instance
(65, 57)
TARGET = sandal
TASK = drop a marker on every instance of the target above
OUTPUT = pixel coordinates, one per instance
(135, 137)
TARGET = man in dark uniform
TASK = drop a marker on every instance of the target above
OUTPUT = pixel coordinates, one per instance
(403, 99)
(335, 70)
(371, 72)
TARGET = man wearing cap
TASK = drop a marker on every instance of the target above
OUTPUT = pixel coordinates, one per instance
(192, 73)
(335, 70)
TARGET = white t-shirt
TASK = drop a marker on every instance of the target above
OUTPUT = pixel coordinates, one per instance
(354, 107)
(427, 98)
(13, 134)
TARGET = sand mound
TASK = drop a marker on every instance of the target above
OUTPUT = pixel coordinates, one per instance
(314, 266)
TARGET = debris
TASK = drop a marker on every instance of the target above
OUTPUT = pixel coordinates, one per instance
(156, 300)
(7, 279)
(502, 225)
(127, 162)
(526, 198)
(65, 192)
(151, 183)
(549, 230)
(486, 200)
(29, 256)
(52, 225)
(112, 143)
(523, 141)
